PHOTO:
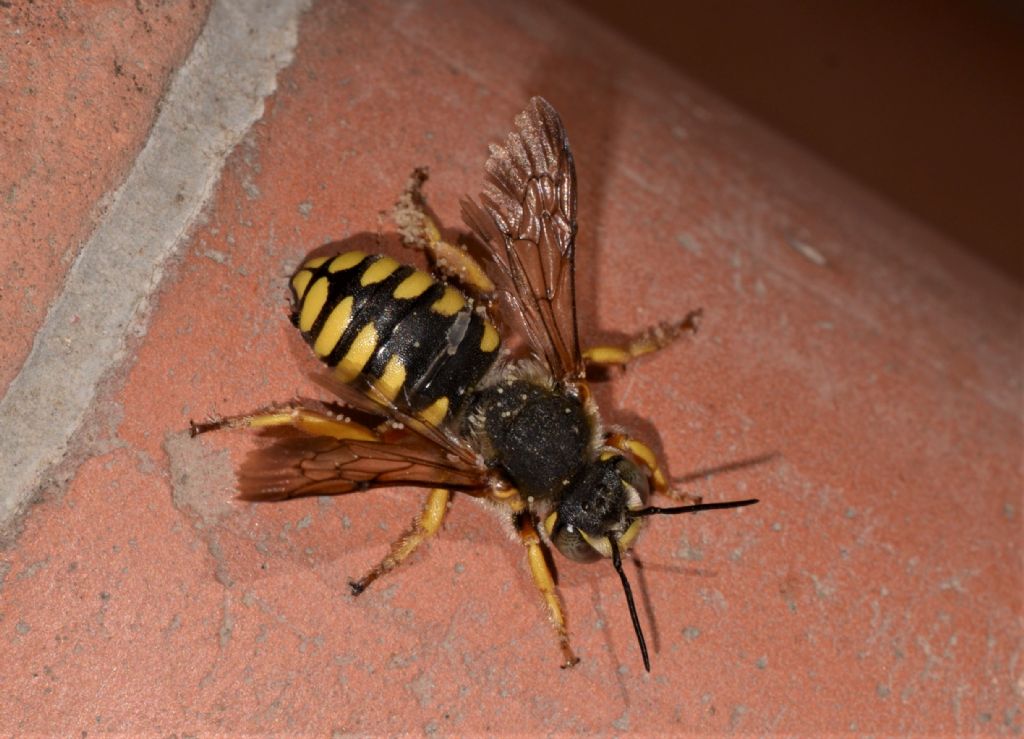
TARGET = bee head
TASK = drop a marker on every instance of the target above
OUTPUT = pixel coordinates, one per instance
(600, 515)
(596, 508)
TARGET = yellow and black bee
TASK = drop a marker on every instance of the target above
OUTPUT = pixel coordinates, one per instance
(454, 410)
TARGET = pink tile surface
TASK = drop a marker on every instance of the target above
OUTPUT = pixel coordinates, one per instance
(79, 85)
(875, 588)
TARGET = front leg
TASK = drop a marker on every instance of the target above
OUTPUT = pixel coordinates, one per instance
(545, 583)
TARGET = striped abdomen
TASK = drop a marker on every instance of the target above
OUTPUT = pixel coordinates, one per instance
(391, 327)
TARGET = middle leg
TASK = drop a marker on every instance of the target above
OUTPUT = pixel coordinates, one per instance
(647, 341)
(423, 527)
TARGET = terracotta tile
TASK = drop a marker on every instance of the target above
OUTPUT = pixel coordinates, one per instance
(81, 84)
(875, 588)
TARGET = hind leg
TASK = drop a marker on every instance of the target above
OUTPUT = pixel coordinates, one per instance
(420, 231)
(312, 421)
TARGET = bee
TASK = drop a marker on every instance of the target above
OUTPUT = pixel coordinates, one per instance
(444, 405)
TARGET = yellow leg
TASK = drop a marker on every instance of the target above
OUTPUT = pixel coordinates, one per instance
(545, 583)
(419, 231)
(642, 454)
(313, 422)
(423, 526)
(649, 340)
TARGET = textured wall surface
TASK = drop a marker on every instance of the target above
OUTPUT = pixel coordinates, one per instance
(876, 587)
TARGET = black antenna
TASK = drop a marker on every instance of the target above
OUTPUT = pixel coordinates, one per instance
(654, 510)
(617, 562)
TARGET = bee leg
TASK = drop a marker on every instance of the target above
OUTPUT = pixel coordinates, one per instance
(545, 582)
(643, 454)
(423, 526)
(649, 340)
(419, 231)
(312, 422)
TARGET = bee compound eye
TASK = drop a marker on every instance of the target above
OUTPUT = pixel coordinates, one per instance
(569, 540)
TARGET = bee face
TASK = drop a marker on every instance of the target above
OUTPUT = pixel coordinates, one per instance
(597, 506)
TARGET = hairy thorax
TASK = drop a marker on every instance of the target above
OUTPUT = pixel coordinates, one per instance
(538, 436)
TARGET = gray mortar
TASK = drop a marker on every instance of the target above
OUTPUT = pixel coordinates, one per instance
(213, 100)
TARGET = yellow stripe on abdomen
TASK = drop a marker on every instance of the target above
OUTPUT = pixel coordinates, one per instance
(378, 271)
(348, 260)
(314, 262)
(434, 414)
(312, 304)
(300, 281)
(450, 303)
(355, 359)
(413, 286)
(334, 327)
(489, 341)
(392, 379)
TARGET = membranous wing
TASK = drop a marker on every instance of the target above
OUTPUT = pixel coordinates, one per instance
(527, 218)
(296, 464)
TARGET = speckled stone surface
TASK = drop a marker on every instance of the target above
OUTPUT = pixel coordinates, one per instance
(79, 86)
(875, 588)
